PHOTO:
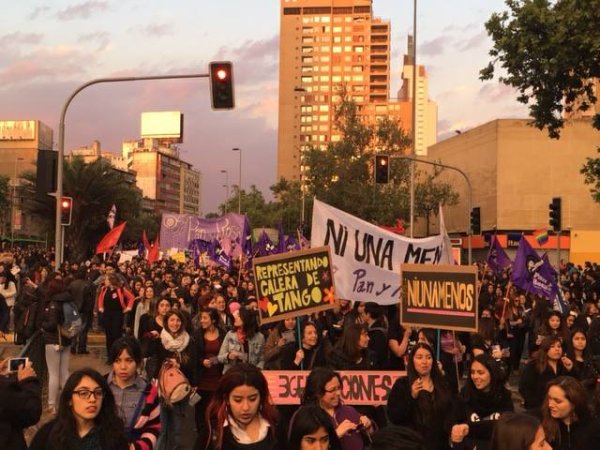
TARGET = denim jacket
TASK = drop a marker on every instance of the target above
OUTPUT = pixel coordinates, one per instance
(231, 343)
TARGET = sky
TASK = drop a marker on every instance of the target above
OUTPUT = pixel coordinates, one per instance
(49, 48)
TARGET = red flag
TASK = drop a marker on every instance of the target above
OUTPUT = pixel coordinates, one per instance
(110, 239)
(145, 241)
(153, 252)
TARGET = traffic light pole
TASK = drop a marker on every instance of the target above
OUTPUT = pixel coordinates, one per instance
(413, 160)
(59, 239)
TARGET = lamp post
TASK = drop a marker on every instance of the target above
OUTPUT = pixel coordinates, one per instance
(58, 235)
(413, 160)
(414, 122)
(300, 89)
(12, 204)
(226, 186)
(239, 180)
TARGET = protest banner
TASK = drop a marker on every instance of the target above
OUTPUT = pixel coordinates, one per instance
(358, 387)
(366, 258)
(294, 283)
(442, 296)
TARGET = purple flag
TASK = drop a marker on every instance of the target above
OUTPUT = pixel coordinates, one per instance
(291, 244)
(264, 245)
(218, 255)
(532, 273)
(497, 259)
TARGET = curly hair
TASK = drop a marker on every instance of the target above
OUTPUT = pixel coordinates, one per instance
(110, 426)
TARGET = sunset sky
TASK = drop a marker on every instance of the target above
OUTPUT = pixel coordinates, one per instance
(50, 48)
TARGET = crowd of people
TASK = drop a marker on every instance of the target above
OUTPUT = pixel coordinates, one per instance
(182, 339)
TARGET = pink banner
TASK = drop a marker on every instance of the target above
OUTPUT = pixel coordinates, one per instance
(359, 387)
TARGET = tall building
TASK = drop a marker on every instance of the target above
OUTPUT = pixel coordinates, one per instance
(168, 184)
(426, 110)
(326, 44)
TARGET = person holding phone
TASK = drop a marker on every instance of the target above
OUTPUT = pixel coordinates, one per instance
(20, 403)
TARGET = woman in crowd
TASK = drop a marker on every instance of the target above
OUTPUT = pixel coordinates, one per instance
(586, 366)
(480, 403)
(489, 340)
(519, 432)
(180, 348)
(324, 389)
(227, 320)
(547, 365)
(57, 346)
(87, 417)
(241, 415)
(136, 399)
(566, 416)
(280, 336)
(451, 356)
(8, 291)
(114, 301)
(421, 400)
(209, 339)
(311, 429)
(151, 326)
(351, 351)
(515, 329)
(553, 326)
(143, 306)
(21, 400)
(313, 351)
(244, 344)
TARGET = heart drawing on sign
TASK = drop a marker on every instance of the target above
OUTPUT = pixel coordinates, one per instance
(272, 308)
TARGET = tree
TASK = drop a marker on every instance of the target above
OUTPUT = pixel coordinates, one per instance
(95, 187)
(550, 51)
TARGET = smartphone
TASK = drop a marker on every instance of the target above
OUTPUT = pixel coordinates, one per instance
(214, 360)
(15, 363)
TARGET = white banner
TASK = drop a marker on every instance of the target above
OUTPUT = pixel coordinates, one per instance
(366, 258)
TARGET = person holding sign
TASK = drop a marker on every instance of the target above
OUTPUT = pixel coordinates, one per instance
(422, 399)
(480, 403)
(312, 352)
(243, 344)
(324, 388)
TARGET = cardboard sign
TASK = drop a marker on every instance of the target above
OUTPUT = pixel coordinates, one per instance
(441, 296)
(358, 387)
(294, 284)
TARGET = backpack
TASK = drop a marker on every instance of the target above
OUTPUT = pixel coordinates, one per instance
(25, 312)
(173, 386)
(72, 323)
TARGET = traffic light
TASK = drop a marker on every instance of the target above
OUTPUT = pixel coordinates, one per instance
(221, 85)
(554, 214)
(66, 210)
(476, 220)
(382, 169)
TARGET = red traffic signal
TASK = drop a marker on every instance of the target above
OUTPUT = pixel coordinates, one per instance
(66, 210)
(221, 85)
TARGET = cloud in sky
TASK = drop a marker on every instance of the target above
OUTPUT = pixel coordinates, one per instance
(83, 10)
(435, 46)
(474, 41)
(102, 38)
(18, 38)
(158, 29)
(38, 11)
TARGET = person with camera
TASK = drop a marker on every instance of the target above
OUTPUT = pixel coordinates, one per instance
(20, 402)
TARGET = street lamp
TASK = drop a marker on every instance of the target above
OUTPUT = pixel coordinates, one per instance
(239, 180)
(226, 186)
(12, 204)
(300, 89)
(414, 122)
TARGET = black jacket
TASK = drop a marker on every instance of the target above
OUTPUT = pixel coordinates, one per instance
(580, 435)
(52, 317)
(20, 407)
(340, 361)
(532, 385)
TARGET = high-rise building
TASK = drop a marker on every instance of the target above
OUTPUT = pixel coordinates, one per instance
(324, 45)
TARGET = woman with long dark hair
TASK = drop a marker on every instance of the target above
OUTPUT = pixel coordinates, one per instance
(243, 344)
(324, 389)
(209, 370)
(312, 353)
(586, 366)
(519, 432)
(351, 351)
(241, 414)
(547, 365)
(480, 403)
(114, 301)
(87, 417)
(151, 326)
(566, 416)
(421, 400)
(312, 429)
(281, 336)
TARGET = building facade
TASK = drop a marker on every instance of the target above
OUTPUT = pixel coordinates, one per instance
(326, 45)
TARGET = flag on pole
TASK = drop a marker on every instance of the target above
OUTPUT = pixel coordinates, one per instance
(110, 239)
(541, 236)
(218, 255)
(264, 245)
(112, 214)
(497, 259)
(145, 241)
(532, 273)
(154, 251)
(447, 256)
